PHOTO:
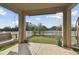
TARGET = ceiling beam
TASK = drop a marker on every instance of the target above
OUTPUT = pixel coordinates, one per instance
(5, 5)
(52, 10)
(70, 6)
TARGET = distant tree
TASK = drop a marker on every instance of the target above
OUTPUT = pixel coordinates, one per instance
(45, 28)
(34, 29)
(6, 28)
(53, 28)
(14, 28)
(41, 29)
(56, 28)
(29, 26)
(0, 30)
(60, 27)
(74, 28)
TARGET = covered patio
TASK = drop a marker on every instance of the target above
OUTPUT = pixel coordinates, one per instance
(24, 9)
(38, 49)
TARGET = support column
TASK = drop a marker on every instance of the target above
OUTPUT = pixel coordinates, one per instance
(22, 47)
(77, 25)
(67, 28)
(22, 27)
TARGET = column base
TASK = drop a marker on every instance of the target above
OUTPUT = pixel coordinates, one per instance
(23, 49)
(25, 41)
(66, 46)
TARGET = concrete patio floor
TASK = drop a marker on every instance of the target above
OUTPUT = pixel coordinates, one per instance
(37, 49)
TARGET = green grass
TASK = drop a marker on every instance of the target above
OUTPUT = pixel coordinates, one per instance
(47, 39)
(43, 39)
(76, 50)
(5, 47)
(73, 40)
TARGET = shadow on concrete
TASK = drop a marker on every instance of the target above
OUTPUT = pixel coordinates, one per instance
(23, 49)
(12, 53)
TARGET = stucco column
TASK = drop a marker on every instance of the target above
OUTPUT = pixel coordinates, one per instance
(77, 31)
(22, 27)
(67, 28)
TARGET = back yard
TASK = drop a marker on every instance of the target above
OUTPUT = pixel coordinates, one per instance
(43, 39)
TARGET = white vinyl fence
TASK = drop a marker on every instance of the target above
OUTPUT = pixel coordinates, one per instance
(30, 33)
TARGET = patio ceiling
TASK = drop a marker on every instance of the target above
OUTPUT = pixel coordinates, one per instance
(37, 8)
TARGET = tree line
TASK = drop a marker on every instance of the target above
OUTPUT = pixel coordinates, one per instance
(32, 27)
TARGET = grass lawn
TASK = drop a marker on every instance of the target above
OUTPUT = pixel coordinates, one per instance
(76, 49)
(73, 40)
(46, 39)
(6, 47)
(43, 39)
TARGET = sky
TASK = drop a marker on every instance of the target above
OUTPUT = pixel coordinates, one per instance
(9, 18)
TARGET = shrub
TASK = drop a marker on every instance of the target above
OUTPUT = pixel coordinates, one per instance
(59, 42)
